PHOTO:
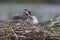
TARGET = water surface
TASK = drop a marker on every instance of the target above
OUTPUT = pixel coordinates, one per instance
(41, 11)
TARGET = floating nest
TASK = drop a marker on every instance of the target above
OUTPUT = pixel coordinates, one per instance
(26, 32)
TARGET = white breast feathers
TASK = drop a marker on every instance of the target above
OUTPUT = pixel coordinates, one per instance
(32, 20)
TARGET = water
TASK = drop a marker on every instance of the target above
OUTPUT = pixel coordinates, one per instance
(41, 11)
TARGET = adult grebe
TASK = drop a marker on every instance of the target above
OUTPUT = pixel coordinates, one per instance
(27, 17)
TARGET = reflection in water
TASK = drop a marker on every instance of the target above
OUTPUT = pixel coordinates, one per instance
(41, 11)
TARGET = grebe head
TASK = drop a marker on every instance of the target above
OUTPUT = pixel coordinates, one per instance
(26, 12)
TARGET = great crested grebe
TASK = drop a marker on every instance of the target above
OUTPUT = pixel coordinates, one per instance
(27, 17)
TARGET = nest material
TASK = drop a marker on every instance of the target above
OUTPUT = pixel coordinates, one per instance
(26, 32)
